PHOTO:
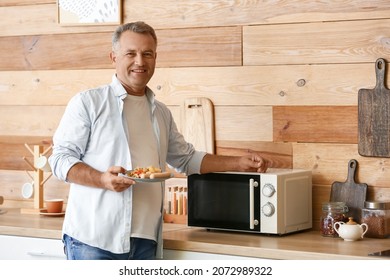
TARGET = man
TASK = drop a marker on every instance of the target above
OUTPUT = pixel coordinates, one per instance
(117, 127)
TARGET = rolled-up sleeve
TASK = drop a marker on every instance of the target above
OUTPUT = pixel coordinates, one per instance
(70, 138)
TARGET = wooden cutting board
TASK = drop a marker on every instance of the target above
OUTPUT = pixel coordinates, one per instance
(197, 123)
(350, 192)
(373, 115)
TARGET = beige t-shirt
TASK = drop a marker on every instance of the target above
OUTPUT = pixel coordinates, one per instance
(147, 197)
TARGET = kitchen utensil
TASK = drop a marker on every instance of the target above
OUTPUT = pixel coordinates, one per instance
(197, 123)
(350, 192)
(373, 116)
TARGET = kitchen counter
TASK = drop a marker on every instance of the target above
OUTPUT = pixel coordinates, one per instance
(303, 245)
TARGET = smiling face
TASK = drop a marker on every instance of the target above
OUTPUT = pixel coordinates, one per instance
(135, 60)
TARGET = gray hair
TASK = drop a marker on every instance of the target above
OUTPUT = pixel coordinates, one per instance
(137, 27)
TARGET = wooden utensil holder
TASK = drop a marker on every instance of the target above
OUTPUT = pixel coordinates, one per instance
(38, 178)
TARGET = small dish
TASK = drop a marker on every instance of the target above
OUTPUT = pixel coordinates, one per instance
(45, 213)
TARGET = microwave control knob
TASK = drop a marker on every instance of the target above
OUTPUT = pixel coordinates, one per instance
(268, 190)
(268, 209)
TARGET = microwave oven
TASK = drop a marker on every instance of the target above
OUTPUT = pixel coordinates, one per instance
(276, 202)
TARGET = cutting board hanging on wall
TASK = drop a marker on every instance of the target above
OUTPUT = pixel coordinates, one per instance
(350, 192)
(373, 115)
(197, 123)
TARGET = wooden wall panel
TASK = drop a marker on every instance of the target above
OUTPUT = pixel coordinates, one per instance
(219, 46)
(242, 123)
(249, 85)
(11, 188)
(279, 155)
(38, 123)
(315, 124)
(51, 52)
(39, 18)
(12, 151)
(329, 163)
(324, 42)
(49, 88)
(194, 47)
(266, 85)
(225, 12)
(29, 120)
(5, 3)
(22, 17)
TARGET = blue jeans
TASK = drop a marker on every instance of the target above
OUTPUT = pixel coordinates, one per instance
(141, 249)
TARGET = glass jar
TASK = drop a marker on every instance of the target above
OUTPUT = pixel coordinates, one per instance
(377, 217)
(332, 212)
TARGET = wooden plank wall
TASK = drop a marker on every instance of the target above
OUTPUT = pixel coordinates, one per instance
(283, 77)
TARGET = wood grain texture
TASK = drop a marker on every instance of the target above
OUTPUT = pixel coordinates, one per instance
(172, 85)
(12, 182)
(248, 85)
(48, 52)
(5, 3)
(216, 46)
(12, 151)
(22, 17)
(38, 18)
(353, 193)
(197, 123)
(216, 13)
(373, 116)
(279, 155)
(241, 123)
(328, 84)
(321, 124)
(326, 42)
(196, 47)
(39, 123)
(36, 120)
(327, 162)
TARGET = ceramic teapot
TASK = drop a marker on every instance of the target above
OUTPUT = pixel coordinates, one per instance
(350, 231)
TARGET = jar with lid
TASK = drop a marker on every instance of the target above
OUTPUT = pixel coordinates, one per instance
(377, 216)
(332, 212)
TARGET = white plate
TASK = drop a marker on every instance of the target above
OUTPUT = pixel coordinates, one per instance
(146, 180)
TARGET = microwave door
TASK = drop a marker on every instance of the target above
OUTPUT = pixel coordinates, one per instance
(224, 201)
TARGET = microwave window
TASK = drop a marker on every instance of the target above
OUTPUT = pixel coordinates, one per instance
(220, 201)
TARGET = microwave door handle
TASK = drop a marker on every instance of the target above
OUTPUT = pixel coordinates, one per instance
(252, 185)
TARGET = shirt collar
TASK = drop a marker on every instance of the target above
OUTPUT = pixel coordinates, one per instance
(120, 91)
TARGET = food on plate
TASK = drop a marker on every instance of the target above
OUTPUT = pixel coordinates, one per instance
(143, 172)
(160, 175)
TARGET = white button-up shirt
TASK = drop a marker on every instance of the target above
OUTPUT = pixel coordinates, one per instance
(93, 130)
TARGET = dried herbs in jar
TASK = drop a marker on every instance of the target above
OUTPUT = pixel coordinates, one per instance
(332, 212)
